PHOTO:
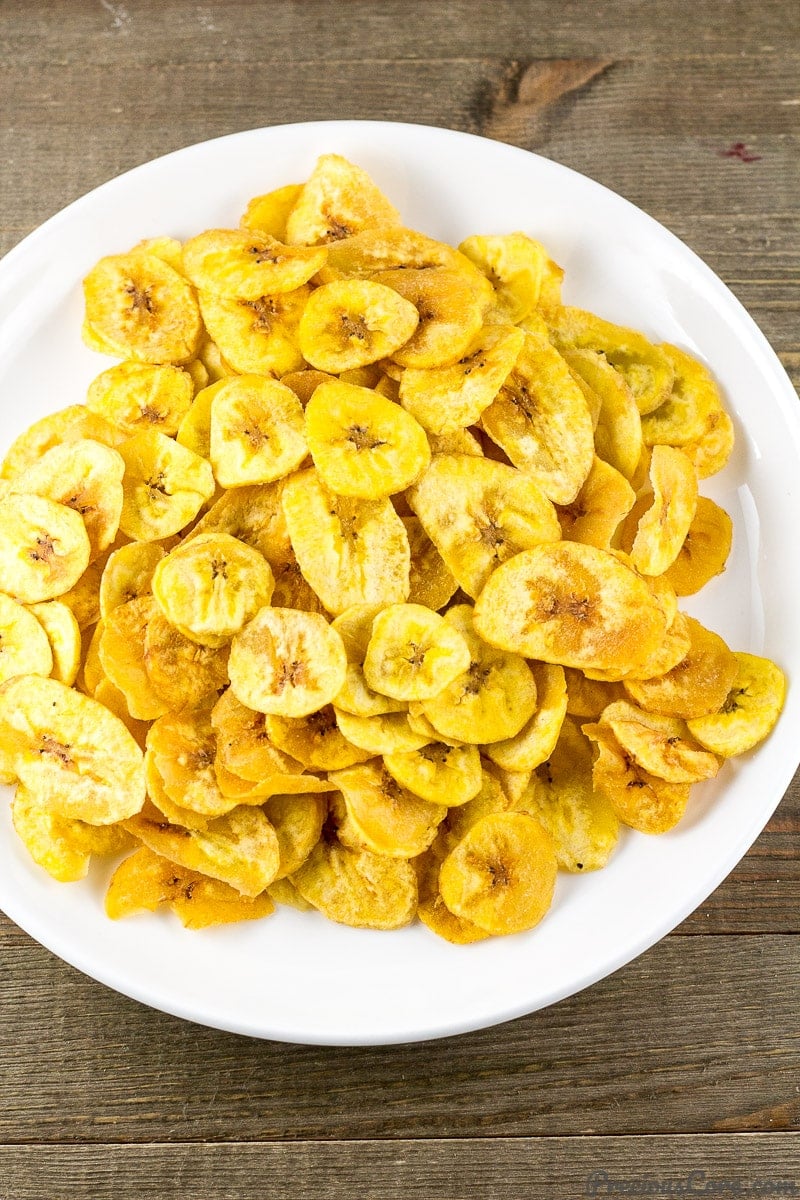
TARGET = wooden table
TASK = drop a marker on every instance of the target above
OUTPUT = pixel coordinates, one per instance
(688, 1060)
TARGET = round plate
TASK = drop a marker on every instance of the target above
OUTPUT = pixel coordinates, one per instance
(297, 977)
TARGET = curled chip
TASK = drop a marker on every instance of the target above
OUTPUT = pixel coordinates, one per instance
(581, 821)
(62, 846)
(363, 444)
(704, 551)
(438, 773)
(749, 711)
(71, 752)
(256, 431)
(514, 263)
(698, 685)
(388, 248)
(44, 547)
(240, 848)
(298, 821)
(571, 604)
(413, 654)
(662, 746)
(128, 574)
(594, 515)
(351, 551)
(64, 636)
(121, 650)
(352, 322)
(692, 416)
(451, 310)
(270, 212)
(431, 583)
(258, 336)
(388, 733)
(253, 515)
(137, 396)
(211, 586)
(67, 425)
(447, 398)
(536, 740)
(181, 671)
(142, 309)
(164, 486)
(479, 513)
(315, 740)
(144, 882)
(491, 699)
(663, 527)
(244, 746)
(640, 800)
(337, 200)
(182, 747)
(618, 431)
(357, 887)
(24, 645)
(502, 874)
(541, 420)
(356, 696)
(287, 662)
(244, 264)
(383, 816)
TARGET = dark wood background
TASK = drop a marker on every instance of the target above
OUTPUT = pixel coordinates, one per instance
(688, 1060)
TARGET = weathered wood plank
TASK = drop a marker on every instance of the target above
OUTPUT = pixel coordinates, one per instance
(457, 1169)
(698, 1033)
(147, 30)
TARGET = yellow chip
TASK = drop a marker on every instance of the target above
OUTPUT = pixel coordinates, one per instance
(297, 820)
(182, 746)
(571, 604)
(287, 662)
(44, 547)
(164, 487)
(514, 263)
(362, 444)
(337, 200)
(292, 590)
(660, 745)
(502, 875)
(315, 740)
(62, 846)
(451, 310)
(356, 887)
(536, 740)
(587, 697)
(383, 816)
(460, 441)
(640, 800)
(351, 551)
(245, 264)
(350, 323)
(438, 773)
(581, 821)
(243, 743)
(692, 416)
(387, 733)
(491, 699)
(662, 529)
(74, 755)
(479, 513)
(387, 248)
(194, 431)
(269, 212)
(432, 910)
(142, 309)
(618, 431)
(63, 633)
(448, 398)
(672, 651)
(257, 336)
(698, 685)
(182, 672)
(137, 396)
(24, 644)
(431, 582)
(122, 657)
(749, 711)
(112, 698)
(413, 653)
(356, 696)
(604, 499)
(240, 848)
(704, 551)
(211, 586)
(128, 574)
(253, 515)
(67, 425)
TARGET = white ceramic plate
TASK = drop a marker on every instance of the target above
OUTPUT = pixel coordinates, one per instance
(296, 977)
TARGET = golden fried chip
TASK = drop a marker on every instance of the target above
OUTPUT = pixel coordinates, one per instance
(164, 486)
(269, 212)
(210, 587)
(183, 749)
(704, 551)
(537, 738)
(111, 697)
(182, 672)
(390, 247)
(357, 887)
(63, 633)
(413, 653)
(305, 382)
(479, 513)
(315, 740)
(697, 686)
(673, 649)
(253, 515)
(352, 322)
(587, 697)
(438, 773)
(581, 821)
(83, 598)
(460, 441)
(749, 711)
(640, 800)
(351, 551)
(660, 745)
(514, 264)
(448, 398)
(571, 604)
(292, 590)
(603, 501)
(663, 527)
(287, 662)
(243, 744)
(44, 547)
(142, 309)
(363, 444)
(451, 310)
(382, 815)
(387, 733)
(356, 696)
(245, 264)
(297, 820)
(194, 431)
(431, 582)
(491, 699)
(59, 428)
(502, 874)
(618, 429)
(75, 756)
(24, 644)
(62, 846)
(257, 336)
(256, 432)
(135, 396)
(692, 416)
(122, 657)
(337, 200)
(128, 574)
(432, 910)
